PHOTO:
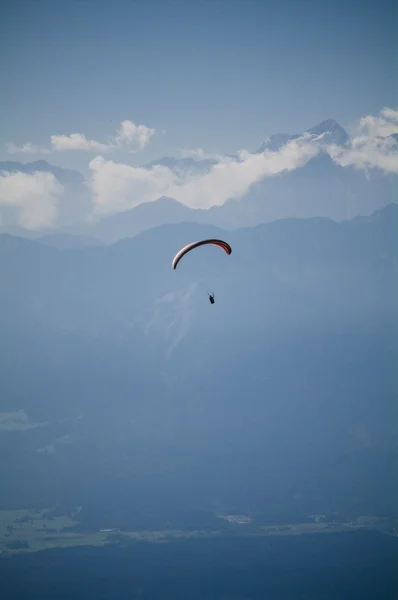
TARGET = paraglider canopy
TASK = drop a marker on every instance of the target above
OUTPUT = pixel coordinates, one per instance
(194, 245)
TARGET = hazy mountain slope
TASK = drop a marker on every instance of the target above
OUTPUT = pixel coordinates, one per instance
(142, 388)
(65, 241)
(64, 176)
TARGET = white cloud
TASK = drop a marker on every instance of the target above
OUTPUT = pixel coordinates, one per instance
(118, 187)
(381, 126)
(232, 178)
(76, 141)
(129, 137)
(371, 145)
(133, 136)
(367, 152)
(33, 195)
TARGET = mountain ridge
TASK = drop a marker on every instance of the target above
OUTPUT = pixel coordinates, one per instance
(261, 395)
(319, 188)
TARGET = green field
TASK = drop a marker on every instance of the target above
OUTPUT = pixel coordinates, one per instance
(31, 531)
(32, 527)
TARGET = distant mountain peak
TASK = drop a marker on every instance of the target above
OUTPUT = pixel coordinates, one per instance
(332, 130)
(40, 165)
(334, 133)
(328, 124)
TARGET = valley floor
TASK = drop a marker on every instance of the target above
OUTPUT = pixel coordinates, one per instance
(32, 531)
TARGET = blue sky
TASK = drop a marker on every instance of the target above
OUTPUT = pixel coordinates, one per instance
(220, 75)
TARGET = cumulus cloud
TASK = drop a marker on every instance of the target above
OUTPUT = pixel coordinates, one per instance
(76, 141)
(381, 126)
(117, 187)
(368, 152)
(33, 195)
(372, 144)
(129, 137)
(133, 136)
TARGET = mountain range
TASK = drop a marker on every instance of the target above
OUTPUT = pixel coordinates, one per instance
(320, 188)
(136, 392)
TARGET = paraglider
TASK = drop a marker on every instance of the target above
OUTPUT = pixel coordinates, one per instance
(194, 245)
(224, 245)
